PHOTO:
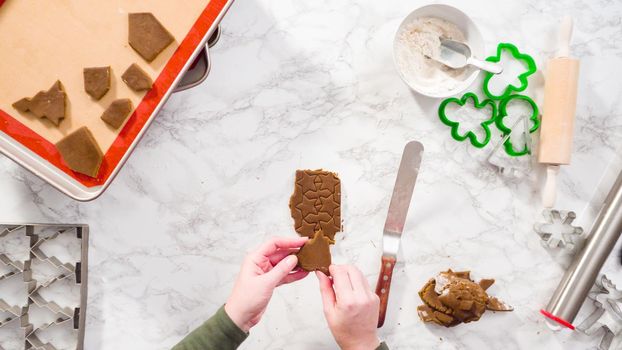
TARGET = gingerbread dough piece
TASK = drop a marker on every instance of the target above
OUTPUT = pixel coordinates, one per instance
(48, 104)
(466, 298)
(81, 152)
(315, 254)
(147, 35)
(452, 298)
(96, 81)
(117, 112)
(22, 105)
(136, 78)
(316, 203)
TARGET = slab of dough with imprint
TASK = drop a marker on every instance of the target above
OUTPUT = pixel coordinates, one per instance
(315, 207)
(316, 203)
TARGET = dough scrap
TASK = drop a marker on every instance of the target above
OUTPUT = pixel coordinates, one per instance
(452, 298)
(136, 78)
(96, 81)
(48, 104)
(81, 152)
(147, 35)
(22, 105)
(117, 112)
(316, 203)
(315, 254)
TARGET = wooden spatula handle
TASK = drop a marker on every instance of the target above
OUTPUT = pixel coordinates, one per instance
(384, 285)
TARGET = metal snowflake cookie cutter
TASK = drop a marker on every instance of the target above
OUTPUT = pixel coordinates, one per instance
(505, 165)
(557, 230)
(34, 287)
(607, 315)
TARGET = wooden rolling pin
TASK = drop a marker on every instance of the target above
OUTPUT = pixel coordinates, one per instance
(560, 100)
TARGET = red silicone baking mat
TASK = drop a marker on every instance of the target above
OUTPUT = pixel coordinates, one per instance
(15, 126)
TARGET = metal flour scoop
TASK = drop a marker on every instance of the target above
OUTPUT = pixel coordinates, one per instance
(455, 54)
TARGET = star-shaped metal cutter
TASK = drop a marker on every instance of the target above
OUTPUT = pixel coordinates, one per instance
(557, 231)
(608, 315)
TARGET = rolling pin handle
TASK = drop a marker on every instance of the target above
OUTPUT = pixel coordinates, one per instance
(564, 35)
(549, 193)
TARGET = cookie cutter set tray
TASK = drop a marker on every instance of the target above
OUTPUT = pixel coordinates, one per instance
(25, 273)
(188, 67)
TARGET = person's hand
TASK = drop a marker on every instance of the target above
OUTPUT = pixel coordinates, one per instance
(350, 307)
(264, 269)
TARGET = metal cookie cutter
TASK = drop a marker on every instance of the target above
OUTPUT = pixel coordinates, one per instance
(470, 135)
(514, 168)
(527, 130)
(38, 236)
(608, 315)
(557, 231)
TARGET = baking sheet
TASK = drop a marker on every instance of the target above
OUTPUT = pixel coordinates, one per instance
(42, 42)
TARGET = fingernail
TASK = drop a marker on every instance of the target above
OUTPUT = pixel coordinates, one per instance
(292, 259)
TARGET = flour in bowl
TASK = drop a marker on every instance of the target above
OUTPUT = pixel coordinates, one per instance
(421, 38)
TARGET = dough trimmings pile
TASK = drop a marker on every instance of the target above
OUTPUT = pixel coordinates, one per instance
(315, 207)
(452, 298)
(48, 104)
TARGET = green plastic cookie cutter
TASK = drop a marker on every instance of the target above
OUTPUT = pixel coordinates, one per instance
(509, 147)
(455, 132)
(522, 78)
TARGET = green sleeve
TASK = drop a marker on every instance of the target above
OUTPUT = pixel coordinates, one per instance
(217, 333)
(382, 346)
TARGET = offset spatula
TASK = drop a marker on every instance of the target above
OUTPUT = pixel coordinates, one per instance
(393, 227)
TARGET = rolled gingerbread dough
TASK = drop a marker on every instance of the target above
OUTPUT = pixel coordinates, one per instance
(96, 81)
(136, 78)
(81, 152)
(117, 112)
(147, 35)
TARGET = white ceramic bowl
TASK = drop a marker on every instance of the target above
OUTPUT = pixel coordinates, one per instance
(473, 39)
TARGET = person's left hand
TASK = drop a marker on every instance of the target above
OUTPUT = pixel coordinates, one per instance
(264, 269)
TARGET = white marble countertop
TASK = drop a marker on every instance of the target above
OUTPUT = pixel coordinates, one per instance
(309, 84)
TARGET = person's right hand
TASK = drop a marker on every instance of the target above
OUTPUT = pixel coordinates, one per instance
(350, 307)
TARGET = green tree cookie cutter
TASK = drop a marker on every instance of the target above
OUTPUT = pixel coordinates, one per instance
(509, 147)
(522, 78)
(455, 133)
